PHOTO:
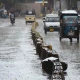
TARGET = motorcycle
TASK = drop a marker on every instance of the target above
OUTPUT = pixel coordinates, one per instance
(12, 21)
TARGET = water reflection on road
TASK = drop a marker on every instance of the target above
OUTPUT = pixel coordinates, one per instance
(17, 53)
(70, 53)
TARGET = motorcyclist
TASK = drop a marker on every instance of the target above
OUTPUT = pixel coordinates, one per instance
(12, 16)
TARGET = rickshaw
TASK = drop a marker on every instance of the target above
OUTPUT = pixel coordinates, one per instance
(30, 16)
(3, 13)
(69, 27)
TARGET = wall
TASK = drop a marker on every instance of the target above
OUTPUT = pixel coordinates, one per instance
(55, 4)
(30, 6)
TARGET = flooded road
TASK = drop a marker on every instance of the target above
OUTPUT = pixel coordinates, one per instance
(69, 53)
(17, 52)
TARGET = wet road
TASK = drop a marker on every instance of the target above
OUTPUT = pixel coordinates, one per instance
(17, 52)
(69, 53)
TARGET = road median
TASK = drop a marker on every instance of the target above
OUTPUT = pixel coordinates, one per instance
(46, 52)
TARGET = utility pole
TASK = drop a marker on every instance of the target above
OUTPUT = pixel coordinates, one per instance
(60, 5)
(70, 4)
(43, 7)
(43, 3)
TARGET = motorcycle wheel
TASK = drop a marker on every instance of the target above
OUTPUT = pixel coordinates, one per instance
(12, 23)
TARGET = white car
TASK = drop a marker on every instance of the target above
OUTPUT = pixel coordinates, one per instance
(51, 23)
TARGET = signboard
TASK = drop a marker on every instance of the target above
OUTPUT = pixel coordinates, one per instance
(41, 1)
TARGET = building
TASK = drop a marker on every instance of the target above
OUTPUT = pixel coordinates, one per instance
(57, 4)
(52, 5)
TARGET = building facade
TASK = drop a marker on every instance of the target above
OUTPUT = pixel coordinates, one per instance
(55, 4)
(52, 5)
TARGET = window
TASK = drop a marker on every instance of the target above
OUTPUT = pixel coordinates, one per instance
(52, 19)
(70, 19)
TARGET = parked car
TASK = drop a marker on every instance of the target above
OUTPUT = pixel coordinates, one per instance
(51, 23)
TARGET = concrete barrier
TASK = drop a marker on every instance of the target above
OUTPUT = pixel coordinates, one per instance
(38, 48)
(45, 51)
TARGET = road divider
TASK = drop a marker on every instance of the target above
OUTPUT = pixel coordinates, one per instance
(46, 52)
